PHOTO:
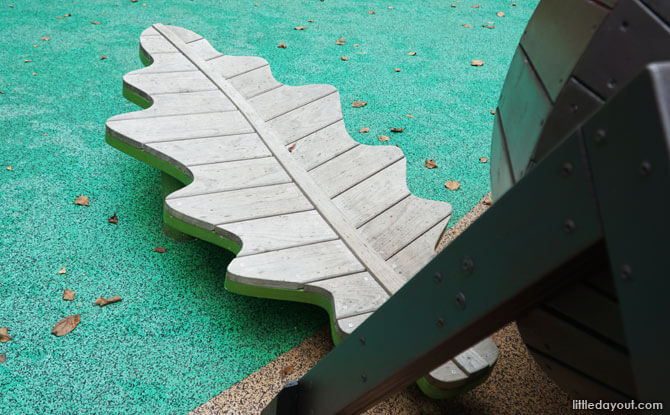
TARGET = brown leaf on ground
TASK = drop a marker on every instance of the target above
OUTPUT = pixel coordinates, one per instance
(384, 138)
(255, 4)
(411, 53)
(62, 271)
(397, 130)
(2, 92)
(103, 57)
(356, 45)
(453, 5)
(341, 41)
(27, 60)
(133, 1)
(34, 73)
(483, 159)
(344, 58)
(476, 6)
(487, 200)
(282, 46)
(286, 371)
(291, 147)
(409, 116)
(477, 62)
(9, 168)
(82, 200)
(489, 26)
(452, 185)
(359, 104)
(364, 130)
(94, 22)
(493, 112)
(467, 25)
(371, 12)
(66, 325)
(500, 14)
(311, 21)
(3, 358)
(160, 249)
(104, 301)
(113, 219)
(4, 335)
(68, 15)
(430, 163)
(68, 295)
(299, 28)
(397, 69)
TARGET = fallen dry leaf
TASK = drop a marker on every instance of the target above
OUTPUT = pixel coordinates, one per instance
(2, 92)
(452, 185)
(483, 159)
(356, 45)
(113, 219)
(282, 45)
(4, 335)
(340, 41)
(311, 21)
(68, 15)
(62, 271)
(160, 249)
(344, 58)
(133, 1)
(93, 22)
(493, 112)
(411, 53)
(500, 14)
(35, 46)
(397, 130)
(9, 168)
(104, 301)
(384, 138)
(81, 200)
(397, 69)
(3, 358)
(359, 104)
(371, 12)
(409, 116)
(430, 163)
(364, 130)
(453, 5)
(489, 26)
(34, 73)
(66, 325)
(467, 25)
(27, 60)
(255, 4)
(286, 371)
(68, 295)
(477, 62)
(291, 147)
(487, 200)
(476, 6)
(103, 57)
(299, 28)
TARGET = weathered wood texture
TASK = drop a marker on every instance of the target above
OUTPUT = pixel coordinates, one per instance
(275, 170)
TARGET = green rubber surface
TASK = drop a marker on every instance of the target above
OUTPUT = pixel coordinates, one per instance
(178, 337)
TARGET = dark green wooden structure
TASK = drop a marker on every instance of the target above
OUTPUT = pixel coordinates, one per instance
(575, 247)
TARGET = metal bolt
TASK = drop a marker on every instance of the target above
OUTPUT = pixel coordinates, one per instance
(363, 340)
(438, 277)
(626, 273)
(440, 322)
(460, 300)
(600, 136)
(569, 226)
(611, 84)
(364, 377)
(468, 264)
(645, 168)
(566, 169)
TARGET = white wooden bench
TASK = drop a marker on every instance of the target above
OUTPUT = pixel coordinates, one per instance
(272, 174)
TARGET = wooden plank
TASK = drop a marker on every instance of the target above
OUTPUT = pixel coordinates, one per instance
(287, 98)
(185, 35)
(363, 202)
(169, 62)
(413, 257)
(168, 83)
(375, 265)
(150, 31)
(466, 365)
(179, 127)
(292, 268)
(204, 49)
(350, 168)
(254, 82)
(230, 66)
(307, 119)
(182, 103)
(278, 232)
(351, 294)
(400, 225)
(558, 339)
(210, 149)
(244, 204)
(233, 175)
(347, 325)
(592, 309)
(310, 152)
(153, 45)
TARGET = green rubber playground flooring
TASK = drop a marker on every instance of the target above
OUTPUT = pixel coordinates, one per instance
(178, 337)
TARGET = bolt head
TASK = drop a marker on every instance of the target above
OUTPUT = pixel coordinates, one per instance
(626, 272)
(438, 277)
(645, 168)
(569, 226)
(566, 169)
(468, 265)
(460, 300)
(600, 136)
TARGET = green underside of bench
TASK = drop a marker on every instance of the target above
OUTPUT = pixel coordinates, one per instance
(180, 226)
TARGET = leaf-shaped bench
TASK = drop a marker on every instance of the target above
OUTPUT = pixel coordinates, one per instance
(272, 175)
